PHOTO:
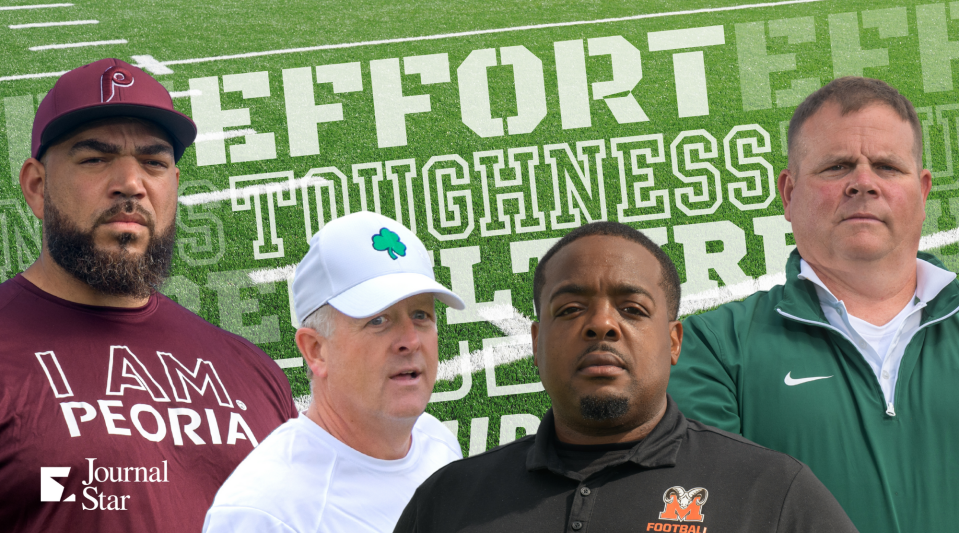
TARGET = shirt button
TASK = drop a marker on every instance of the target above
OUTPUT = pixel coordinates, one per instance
(885, 375)
(584, 491)
(577, 525)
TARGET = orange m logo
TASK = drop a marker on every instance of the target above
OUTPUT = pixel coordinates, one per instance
(683, 505)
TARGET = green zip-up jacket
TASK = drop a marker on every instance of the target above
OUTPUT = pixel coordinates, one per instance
(891, 472)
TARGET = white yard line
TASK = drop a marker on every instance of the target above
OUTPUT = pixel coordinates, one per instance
(37, 6)
(729, 293)
(39, 75)
(148, 63)
(184, 94)
(690, 303)
(938, 240)
(52, 24)
(482, 32)
(268, 275)
(214, 196)
(446, 35)
(76, 45)
(221, 135)
(289, 362)
(243, 192)
(517, 324)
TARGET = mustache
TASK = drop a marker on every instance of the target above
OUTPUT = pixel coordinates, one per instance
(128, 206)
(605, 347)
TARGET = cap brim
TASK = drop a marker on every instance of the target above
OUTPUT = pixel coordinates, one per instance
(374, 295)
(182, 130)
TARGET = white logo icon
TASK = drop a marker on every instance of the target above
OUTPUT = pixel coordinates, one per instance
(50, 490)
(793, 382)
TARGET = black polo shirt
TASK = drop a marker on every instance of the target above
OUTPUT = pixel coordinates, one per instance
(684, 477)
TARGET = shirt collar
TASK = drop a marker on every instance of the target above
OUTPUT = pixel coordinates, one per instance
(658, 449)
(807, 273)
(930, 281)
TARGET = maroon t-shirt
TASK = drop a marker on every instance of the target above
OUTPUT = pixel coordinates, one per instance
(123, 420)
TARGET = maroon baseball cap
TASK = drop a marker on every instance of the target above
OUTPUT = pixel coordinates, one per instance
(108, 88)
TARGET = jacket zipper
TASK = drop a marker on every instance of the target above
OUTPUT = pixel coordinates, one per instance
(890, 408)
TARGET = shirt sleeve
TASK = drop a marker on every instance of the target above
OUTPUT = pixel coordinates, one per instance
(810, 507)
(228, 519)
(407, 521)
(701, 383)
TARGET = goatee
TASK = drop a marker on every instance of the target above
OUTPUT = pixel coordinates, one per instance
(114, 273)
(601, 408)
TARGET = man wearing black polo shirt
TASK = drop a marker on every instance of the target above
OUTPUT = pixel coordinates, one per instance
(614, 453)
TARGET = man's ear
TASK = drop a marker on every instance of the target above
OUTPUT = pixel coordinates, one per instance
(675, 340)
(925, 183)
(786, 186)
(314, 349)
(33, 179)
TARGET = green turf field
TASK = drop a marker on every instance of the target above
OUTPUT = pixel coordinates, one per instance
(490, 129)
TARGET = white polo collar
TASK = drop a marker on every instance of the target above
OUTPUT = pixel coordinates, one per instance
(930, 280)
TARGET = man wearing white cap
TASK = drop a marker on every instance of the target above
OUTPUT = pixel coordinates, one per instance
(352, 461)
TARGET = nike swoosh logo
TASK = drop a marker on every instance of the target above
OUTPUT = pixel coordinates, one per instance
(790, 381)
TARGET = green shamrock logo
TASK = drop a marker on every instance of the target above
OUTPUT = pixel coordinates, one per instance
(389, 242)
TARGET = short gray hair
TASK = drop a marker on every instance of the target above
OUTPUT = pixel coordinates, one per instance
(320, 321)
(854, 93)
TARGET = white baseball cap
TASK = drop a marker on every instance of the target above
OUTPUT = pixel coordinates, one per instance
(363, 263)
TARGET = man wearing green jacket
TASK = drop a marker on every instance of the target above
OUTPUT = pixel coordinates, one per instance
(851, 366)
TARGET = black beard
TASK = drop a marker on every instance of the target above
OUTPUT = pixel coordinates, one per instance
(119, 273)
(602, 408)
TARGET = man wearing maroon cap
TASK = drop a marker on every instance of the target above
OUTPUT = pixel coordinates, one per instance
(119, 409)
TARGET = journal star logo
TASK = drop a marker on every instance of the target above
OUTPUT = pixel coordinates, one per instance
(50, 489)
(683, 505)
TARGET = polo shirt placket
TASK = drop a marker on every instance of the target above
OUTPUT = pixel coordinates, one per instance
(664, 439)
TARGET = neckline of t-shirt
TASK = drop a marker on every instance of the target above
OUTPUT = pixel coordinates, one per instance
(868, 330)
(99, 310)
(356, 456)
